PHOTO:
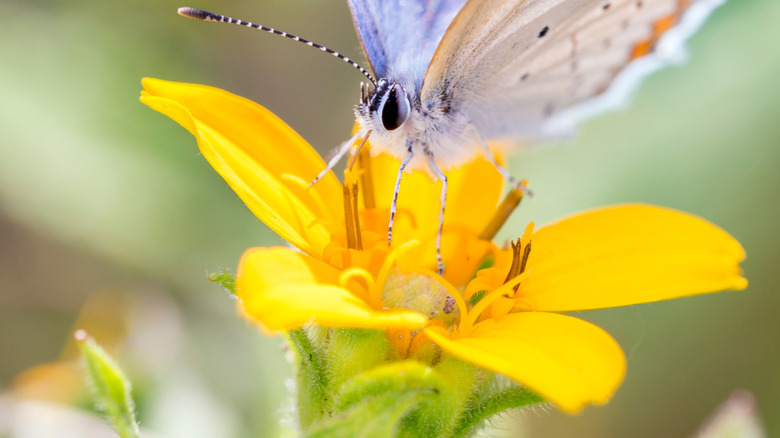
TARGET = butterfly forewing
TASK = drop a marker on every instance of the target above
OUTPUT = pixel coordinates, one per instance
(512, 65)
(399, 37)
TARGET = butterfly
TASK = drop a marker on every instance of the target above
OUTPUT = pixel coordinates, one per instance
(449, 76)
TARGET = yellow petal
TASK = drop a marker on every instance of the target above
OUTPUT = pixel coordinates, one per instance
(566, 360)
(282, 290)
(254, 129)
(474, 190)
(627, 255)
(284, 207)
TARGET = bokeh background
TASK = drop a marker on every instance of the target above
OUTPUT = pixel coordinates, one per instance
(110, 219)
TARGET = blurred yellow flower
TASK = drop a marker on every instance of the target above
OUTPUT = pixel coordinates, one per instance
(498, 319)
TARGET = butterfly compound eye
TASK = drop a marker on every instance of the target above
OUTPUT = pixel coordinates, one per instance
(395, 108)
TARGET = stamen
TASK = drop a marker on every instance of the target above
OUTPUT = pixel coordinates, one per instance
(526, 254)
(504, 210)
(506, 289)
(351, 220)
(366, 178)
(514, 269)
(358, 233)
(527, 234)
(520, 254)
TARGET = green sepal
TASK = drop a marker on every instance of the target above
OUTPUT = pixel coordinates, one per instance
(417, 400)
(510, 398)
(464, 378)
(377, 418)
(110, 387)
(354, 351)
(311, 379)
(224, 278)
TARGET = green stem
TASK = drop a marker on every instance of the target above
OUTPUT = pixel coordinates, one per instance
(311, 380)
(507, 399)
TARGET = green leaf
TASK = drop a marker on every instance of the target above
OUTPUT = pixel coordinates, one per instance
(109, 386)
(224, 278)
(510, 398)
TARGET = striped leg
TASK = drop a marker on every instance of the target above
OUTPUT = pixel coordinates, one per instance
(501, 169)
(394, 205)
(343, 149)
(442, 204)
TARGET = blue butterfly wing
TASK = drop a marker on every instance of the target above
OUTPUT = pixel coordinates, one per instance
(399, 37)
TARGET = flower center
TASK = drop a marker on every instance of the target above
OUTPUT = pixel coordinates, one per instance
(421, 293)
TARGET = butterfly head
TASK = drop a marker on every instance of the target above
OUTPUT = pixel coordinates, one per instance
(386, 108)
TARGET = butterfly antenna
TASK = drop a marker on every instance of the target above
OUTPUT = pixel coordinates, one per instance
(200, 14)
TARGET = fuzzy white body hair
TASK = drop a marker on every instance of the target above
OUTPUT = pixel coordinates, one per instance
(445, 134)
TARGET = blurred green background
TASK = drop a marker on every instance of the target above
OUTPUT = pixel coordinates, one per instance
(110, 219)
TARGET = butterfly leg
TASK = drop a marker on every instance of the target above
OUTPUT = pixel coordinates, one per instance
(394, 205)
(342, 150)
(442, 204)
(501, 169)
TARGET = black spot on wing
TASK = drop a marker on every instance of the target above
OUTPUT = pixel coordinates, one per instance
(606, 6)
(544, 31)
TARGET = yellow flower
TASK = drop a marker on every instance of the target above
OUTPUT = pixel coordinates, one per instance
(609, 257)
(500, 318)
(269, 166)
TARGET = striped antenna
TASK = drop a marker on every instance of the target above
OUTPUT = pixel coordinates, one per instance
(199, 14)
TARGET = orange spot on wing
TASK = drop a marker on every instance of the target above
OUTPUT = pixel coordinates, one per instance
(660, 27)
(642, 48)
